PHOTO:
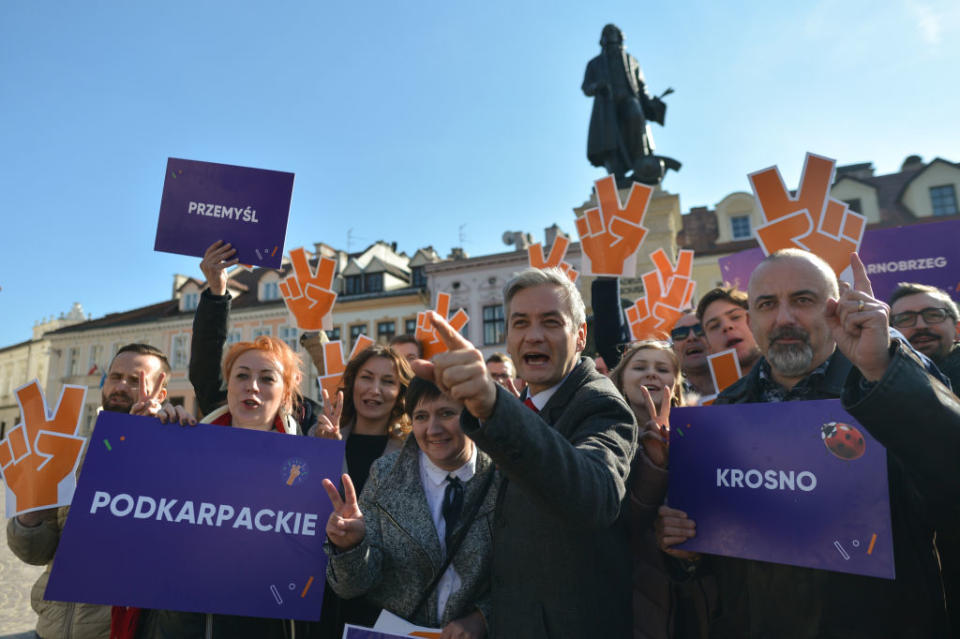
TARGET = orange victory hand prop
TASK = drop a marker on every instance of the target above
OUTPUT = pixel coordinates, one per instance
(333, 364)
(611, 234)
(668, 290)
(308, 295)
(427, 336)
(39, 457)
(557, 252)
(811, 219)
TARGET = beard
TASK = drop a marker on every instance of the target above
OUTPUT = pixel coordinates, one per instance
(790, 360)
(117, 403)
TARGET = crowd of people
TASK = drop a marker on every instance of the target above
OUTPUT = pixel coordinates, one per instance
(523, 494)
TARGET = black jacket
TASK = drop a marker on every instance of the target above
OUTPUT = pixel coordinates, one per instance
(917, 419)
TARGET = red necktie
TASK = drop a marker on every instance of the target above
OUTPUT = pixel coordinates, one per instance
(529, 404)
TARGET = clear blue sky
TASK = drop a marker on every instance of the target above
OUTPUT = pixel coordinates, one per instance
(406, 120)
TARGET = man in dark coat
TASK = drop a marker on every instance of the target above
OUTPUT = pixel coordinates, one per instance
(621, 107)
(821, 343)
(561, 563)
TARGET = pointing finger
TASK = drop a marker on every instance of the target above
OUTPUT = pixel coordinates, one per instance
(861, 282)
(453, 340)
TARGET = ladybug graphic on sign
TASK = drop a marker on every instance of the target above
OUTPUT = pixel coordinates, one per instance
(843, 440)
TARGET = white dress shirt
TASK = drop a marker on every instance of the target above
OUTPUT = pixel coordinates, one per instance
(434, 481)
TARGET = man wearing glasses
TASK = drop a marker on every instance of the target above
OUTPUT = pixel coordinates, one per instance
(691, 349)
(927, 317)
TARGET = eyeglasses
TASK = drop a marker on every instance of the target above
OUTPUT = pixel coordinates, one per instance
(907, 319)
(681, 332)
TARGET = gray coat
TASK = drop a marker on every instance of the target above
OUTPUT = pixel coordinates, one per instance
(561, 563)
(400, 553)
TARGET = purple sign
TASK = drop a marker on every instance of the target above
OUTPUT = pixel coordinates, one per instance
(356, 632)
(799, 483)
(198, 519)
(204, 202)
(924, 253)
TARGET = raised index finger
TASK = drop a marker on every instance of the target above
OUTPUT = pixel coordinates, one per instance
(861, 282)
(448, 334)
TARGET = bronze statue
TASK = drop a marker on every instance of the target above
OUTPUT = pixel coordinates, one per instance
(620, 139)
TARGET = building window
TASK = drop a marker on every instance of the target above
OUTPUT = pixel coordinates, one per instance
(180, 351)
(419, 277)
(234, 336)
(943, 199)
(270, 291)
(386, 331)
(356, 331)
(854, 205)
(373, 282)
(334, 335)
(263, 330)
(353, 285)
(289, 335)
(190, 301)
(96, 356)
(493, 324)
(410, 326)
(73, 355)
(740, 226)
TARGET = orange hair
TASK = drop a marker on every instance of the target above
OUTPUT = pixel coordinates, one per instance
(288, 360)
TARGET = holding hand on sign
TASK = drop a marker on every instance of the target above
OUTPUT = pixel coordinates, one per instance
(218, 257)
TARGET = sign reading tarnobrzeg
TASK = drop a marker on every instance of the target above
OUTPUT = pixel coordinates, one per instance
(200, 519)
(204, 202)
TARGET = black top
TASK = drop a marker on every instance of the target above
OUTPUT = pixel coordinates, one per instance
(363, 450)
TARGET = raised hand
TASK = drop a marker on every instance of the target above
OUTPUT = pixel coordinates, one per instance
(673, 527)
(308, 295)
(328, 423)
(611, 234)
(38, 458)
(860, 324)
(345, 527)
(809, 220)
(460, 371)
(557, 252)
(667, 290)
(216, 260)
(472, 626)
(656, 432)
(334, 365)
(427, 336)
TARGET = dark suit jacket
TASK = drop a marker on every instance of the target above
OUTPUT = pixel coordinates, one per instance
(561, 561)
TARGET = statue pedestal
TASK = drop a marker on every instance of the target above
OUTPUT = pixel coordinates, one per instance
(662, 222)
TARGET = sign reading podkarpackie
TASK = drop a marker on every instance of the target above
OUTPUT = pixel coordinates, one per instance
(800, 483)
(204, 202)
(200, 519)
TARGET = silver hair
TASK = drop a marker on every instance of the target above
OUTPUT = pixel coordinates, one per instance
(833, 289)
(531, 277)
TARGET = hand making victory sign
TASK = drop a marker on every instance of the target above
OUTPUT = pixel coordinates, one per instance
(860, 324)
(656, 432)
(328, 423)
(345, 527)
(151, 404)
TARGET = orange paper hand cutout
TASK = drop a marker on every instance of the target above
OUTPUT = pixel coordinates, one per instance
(432, 345)
(333, 364)
(810, 219)
(724, 370)
(667, 291)
(557, 252)
(39, 457)
(309, 296)
(611, 234)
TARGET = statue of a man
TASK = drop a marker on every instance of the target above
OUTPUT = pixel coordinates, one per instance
(620, 138)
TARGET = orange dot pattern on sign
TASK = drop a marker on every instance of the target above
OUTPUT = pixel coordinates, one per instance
(810, 220)
(334, 364)
(611, 233)
(557, 252)
(668, 289)
(309, 296)
(427, 336)
(41, 451)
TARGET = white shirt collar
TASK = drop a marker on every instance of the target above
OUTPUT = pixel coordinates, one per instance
(540, 399)
(437, 475)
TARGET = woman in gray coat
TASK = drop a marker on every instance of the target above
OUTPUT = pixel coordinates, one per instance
(437, 492)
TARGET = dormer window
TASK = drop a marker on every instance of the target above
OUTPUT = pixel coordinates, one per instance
(190, 301)
(418, 277)
(943, 199)
(373, 282)
(740, 227)
(269, 287)
(353, 285)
